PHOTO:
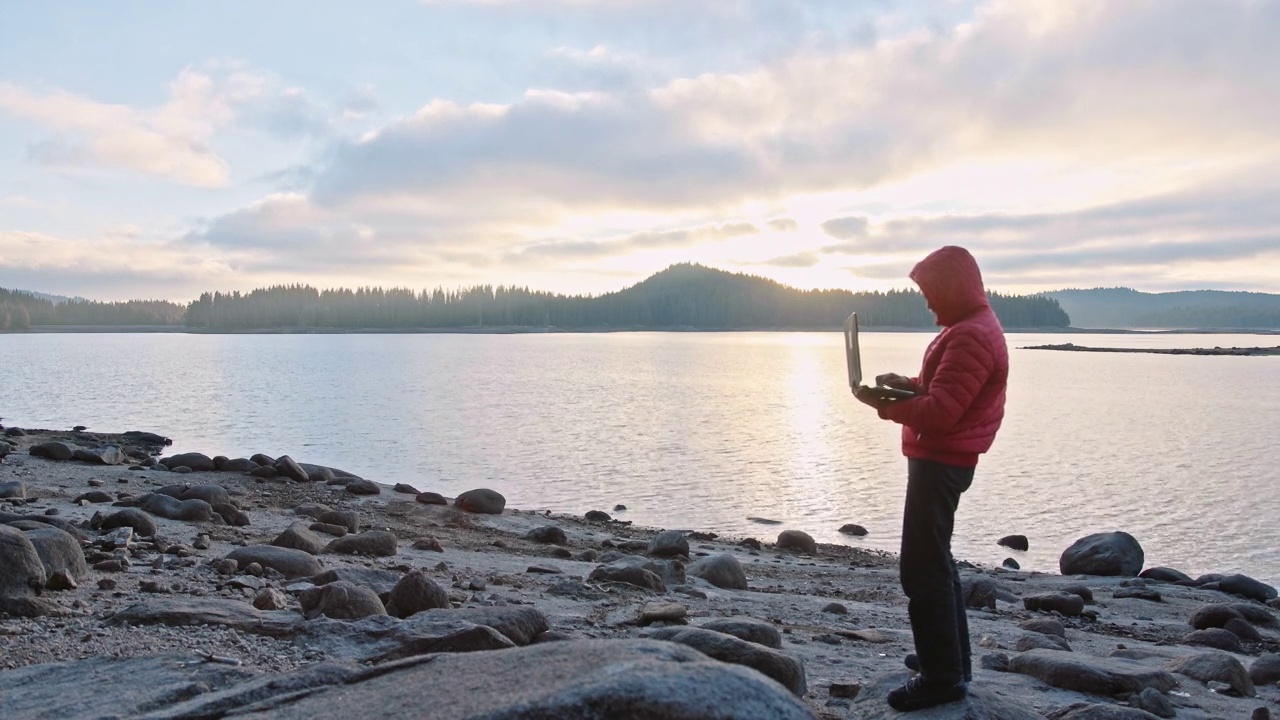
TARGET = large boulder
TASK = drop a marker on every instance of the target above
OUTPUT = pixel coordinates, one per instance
(1164, 574)
(1248, 587)
(1061, 602)
(142, 523)
(549, 534)
(107, 455)
(414, 593)
(482, 500)
(58, 551)
(1096, 676)
(172, 508)
(22, 573)
(669, 543)
(379, 581)
(628, 574)
(797, 540)
(1214, 615)
(212, 494)
(374, 543)
(756, 631)
(349, 519)
(54, 450)
(723, 571)
(13, 490)
(1218, 638)
(1113, 554)
(785, 669)
(198, 462)
(340, 600)
(573, 680)
(1265, 670)
(1014, 542)
(299, 537)
(286, 467)
(289, 562)
(1209, 667)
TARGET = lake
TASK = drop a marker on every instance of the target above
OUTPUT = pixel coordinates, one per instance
(703, 430)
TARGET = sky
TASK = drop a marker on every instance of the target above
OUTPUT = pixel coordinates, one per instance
(158, 150)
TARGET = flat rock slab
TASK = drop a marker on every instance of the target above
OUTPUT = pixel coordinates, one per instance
(981, 704)
(109, 687)
(783, 668)
(183, 611)
(1097, 676)
(1094, 711)
(571, 680)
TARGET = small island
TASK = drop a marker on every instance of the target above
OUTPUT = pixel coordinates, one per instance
(1250, 351)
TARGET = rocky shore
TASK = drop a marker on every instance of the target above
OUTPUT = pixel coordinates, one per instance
(135, 585)
(1236, 351)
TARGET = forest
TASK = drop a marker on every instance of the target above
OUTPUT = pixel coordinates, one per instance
(683, 296)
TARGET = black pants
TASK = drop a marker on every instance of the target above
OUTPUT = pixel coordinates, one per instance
(929, 575)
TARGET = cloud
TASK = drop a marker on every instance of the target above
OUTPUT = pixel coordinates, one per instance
(798, 260)
(783, 225)
(846, 228)
(652, 240)
(173, 140)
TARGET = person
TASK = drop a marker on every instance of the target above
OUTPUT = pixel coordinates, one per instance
(952, 419)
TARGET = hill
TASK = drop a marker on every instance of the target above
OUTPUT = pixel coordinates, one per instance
(1127, 308)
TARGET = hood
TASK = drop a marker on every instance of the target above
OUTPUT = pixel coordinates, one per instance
(951, 283)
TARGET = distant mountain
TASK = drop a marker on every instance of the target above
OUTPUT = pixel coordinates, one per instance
(55, 299)
(1128, 308)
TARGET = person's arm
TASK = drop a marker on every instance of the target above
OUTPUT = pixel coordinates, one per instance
(962, 372)
(901, 382)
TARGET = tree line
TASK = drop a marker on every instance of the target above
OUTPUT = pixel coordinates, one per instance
(20, 310)
(683, 296)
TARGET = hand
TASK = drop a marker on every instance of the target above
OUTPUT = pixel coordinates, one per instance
(867, 396)
(894, 380)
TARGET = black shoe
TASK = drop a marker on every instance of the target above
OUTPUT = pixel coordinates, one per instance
(919, 694)
(913, 663)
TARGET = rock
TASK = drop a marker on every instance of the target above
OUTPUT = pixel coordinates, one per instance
(1214, 615)
(94, 496)
(1265, 670)
(349, 519)
(286, 467)
(999, 662)
(312, 510)
(55, 450)
(722, 570)
(231, 515)
(1044, 626)
(1207, 667)
(1011, 564)
(783, 668)
(1243, 630)
(62, 580)
(59, 552)
(407, 489)
(547, 534)
(198, 462)
(261, 459)
(835, 609)
(1256, 614)
(212, 494)
(521, 624)
(597, 516)
(1033, 641)
(981, 703)
(239, 465)
(1138, 593)
(571, 679)
(414, 593)
(108, 455)
(327, 529)
(379, 581)
(670, 543)
(1014, 542)
(266, 472)
(363, 487)
(431, 498)
(22, 572)
(428, 543)
(750, 630)
(174, 509)
(629, 574)
(299, 537)
(374, 543)
(1065, 603)
(1112, 554)
(270, 599)
(484, 501)
(1097, 711)
(14, 489)
(288, 561)
(1246, 586)
(15, 432)
(142, 524)
(796, 540)
(1214, 638)
(341, 600)
(1096, 676)
(1154, 702)
(661, 612)
(1164, 574)
(979, 592)
(1260, 713)
(854, 530)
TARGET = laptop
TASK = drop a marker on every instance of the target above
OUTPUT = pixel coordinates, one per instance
(853, 358)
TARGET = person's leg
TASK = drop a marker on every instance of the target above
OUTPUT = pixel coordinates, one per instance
(962, 625)
(929, 577)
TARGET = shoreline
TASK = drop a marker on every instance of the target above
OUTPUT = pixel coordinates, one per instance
(485, 565)
(1217, 351)
(527, 330)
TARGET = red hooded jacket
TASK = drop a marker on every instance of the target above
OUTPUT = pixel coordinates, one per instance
(966, 368)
